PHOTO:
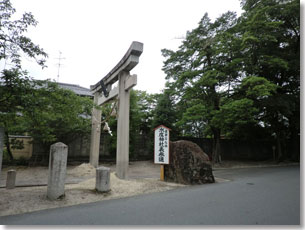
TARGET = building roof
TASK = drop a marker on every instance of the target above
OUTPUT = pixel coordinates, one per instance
(79, 90)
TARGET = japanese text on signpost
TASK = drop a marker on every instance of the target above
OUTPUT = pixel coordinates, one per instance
(162, 145)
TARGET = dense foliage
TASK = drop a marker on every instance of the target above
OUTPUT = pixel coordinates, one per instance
(238, 77)
(42, 110)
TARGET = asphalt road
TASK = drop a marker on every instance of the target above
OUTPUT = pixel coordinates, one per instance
(253, 196)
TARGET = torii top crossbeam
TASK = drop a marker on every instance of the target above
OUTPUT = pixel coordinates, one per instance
(127, 63)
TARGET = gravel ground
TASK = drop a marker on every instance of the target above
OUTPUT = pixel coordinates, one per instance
(31, 185)
(30, 191)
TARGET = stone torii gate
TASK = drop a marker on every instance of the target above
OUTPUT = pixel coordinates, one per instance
(103, 93)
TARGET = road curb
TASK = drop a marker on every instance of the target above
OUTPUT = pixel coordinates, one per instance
(257, 166)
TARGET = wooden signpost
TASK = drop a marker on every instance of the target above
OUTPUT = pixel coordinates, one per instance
(161, 148)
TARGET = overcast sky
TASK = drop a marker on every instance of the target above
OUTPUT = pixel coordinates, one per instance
(94, 35)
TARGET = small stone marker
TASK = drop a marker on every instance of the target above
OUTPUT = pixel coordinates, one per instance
(57, 171)
(102, 179)
(11, 179)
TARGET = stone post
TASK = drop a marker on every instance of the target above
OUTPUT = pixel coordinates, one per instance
(122, 153)
(1, 146)
(102, 179)
(11, 179)
(95, 134)
(57, 171)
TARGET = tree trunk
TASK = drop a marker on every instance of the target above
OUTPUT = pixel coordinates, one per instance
(294, 124)
(8, 148)
(279, 145)
(295, 144)
(1, 146)
(216, 157)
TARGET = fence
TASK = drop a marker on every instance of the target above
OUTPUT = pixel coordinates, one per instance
(236, 149)
(142, 148)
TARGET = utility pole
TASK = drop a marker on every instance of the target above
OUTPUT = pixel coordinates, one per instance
(59, 64)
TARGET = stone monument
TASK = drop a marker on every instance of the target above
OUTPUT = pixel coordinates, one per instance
(188, 164)
(57, 171)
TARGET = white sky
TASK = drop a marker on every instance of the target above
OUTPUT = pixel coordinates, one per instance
(94, 35)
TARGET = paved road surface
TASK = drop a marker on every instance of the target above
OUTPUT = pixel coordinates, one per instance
(263, 196)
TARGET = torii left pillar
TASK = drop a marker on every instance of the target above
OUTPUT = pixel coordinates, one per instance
(95, 133)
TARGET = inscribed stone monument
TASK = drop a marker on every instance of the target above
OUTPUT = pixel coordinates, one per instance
(188, 164)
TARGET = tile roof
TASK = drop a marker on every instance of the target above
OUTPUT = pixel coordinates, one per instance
(79, 90)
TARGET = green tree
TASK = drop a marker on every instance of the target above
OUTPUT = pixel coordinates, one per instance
(207, 73)
(270, 44)
(54, 114)
(164, 112)
(14, 90)
(15, 85)
(43, 110)
(242, 111)
(142, 105)
(198, 69)
(13, 41)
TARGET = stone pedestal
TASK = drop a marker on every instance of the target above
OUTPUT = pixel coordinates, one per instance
(102, 179)
(57, 171)
(11, 179)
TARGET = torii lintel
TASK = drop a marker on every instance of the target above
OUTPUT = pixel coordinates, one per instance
(127, 63)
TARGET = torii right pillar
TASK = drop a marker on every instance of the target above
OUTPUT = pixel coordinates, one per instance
(122, 154)
(126, 82)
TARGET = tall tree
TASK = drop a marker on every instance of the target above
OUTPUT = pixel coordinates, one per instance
(206, 72)
(164, 112)
(15, 83)
(197, 69)
(15, 88)
(271, 48)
